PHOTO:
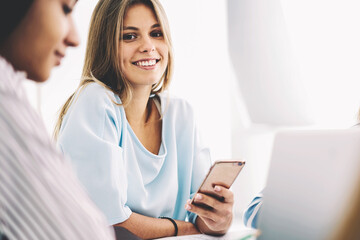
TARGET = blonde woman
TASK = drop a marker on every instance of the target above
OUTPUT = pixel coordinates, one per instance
(137, 150)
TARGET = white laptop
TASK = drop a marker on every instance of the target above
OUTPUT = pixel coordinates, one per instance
(311, 178)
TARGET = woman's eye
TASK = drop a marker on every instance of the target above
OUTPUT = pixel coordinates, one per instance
(156, 34)
(129, 36)
(66, 9)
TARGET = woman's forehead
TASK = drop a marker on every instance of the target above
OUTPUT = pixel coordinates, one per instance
(136, 14)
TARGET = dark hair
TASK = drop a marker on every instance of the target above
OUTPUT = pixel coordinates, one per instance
(11, 14)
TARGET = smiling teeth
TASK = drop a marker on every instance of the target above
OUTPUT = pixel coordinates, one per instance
(146, 63)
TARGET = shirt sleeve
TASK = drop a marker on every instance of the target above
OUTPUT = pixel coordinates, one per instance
(252, 212)
(90, 136)
(201, 165)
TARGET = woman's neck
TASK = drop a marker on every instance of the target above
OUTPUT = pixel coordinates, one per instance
(139, 108)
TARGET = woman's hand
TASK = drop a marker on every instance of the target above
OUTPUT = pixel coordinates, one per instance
(214, 218)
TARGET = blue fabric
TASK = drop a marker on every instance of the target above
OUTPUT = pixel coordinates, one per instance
(252, 212)
(119, 173)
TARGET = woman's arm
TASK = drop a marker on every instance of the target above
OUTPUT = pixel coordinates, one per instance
(252, 212)
(149, 228)
(216, 218)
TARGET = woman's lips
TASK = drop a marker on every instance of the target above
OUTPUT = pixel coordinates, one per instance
(59, 57)
(146, 64)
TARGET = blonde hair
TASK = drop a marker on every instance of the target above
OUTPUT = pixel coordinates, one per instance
(101, 59)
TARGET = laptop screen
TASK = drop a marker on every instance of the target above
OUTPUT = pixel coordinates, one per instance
(311, 178)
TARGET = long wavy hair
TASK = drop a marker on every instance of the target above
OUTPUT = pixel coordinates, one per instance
(102, 63)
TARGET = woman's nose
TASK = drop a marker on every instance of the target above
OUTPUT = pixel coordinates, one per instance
(72, 39)
(147, 45)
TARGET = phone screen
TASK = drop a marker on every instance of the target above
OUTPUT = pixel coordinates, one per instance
(221, 173)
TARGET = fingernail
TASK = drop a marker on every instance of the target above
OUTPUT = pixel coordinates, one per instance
(217, 188)
(187, 207)
(198, 197)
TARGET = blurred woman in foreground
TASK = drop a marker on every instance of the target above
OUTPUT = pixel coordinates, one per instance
(40, 197)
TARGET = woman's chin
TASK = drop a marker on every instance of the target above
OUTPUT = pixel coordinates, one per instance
(38, 77)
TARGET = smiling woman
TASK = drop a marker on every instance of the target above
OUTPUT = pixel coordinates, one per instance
(135, 148)
(141, 36)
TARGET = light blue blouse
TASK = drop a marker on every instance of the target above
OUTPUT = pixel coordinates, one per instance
(119, 173)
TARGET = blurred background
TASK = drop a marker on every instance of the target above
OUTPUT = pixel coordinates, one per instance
(249, 68)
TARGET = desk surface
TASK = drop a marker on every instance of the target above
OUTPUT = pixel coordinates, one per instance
(236, 232)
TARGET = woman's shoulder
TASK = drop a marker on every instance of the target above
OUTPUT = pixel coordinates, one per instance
(95, 100)
(96, 93)
(92, 108)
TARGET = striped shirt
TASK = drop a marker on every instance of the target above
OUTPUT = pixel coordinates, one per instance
(40, 196)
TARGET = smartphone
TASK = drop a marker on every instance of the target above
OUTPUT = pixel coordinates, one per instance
(221, 173)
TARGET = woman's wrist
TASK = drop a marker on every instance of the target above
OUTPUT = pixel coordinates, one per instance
(204, 229)
(186, 228)
(176, 229)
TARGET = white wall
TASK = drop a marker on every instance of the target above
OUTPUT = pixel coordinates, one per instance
(264, 63)
(297, 61)
(202, 66)
(325, 38)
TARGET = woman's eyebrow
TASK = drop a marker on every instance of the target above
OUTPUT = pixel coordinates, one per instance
(155, 25)
(137, 29)
(130, 28)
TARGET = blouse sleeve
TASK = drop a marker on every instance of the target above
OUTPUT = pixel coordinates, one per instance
(252, 211)
(90, 136)
(201, 165)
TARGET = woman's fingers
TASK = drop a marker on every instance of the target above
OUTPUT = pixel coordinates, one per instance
(216, 219)
(216, 213)
(225, 193)
(226, 198)
(202, 199)
(201, 211)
